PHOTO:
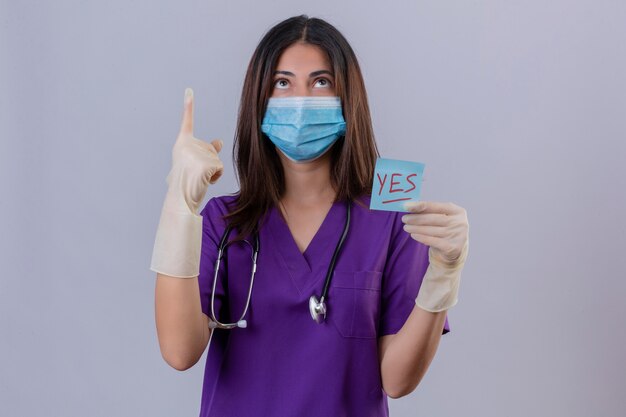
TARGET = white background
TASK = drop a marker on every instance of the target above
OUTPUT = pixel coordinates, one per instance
(517, 109)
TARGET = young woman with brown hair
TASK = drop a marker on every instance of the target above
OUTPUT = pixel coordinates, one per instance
(312, 303)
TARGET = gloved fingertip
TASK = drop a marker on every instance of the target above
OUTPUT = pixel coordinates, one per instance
(188, 94)
(416, 206)
(410, 205)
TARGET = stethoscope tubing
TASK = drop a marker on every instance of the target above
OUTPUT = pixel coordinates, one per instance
(314, 305)
(221, 250)
(331, 267)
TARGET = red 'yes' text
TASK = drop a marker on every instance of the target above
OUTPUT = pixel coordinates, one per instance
(395, 184)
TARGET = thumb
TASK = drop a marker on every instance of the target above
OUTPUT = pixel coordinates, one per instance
(217, 144)
(414, 206)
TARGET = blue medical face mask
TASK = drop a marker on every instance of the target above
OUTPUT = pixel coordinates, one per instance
(303, 128)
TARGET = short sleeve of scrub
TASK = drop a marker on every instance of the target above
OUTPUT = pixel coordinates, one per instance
(404, 270)
(213, 227)
(283, 363)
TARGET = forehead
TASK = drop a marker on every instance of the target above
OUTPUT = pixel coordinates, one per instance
(303, 57)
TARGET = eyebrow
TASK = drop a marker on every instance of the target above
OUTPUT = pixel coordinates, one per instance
(311, 75)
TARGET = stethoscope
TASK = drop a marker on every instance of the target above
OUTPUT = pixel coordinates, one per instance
(317, 308)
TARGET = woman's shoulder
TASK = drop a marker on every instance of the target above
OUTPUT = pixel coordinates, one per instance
(221, 204)
(363, 203)
(373, 217)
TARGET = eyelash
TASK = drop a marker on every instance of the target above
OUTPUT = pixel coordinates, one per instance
(316, 80)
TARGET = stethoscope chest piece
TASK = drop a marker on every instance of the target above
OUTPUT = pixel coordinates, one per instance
(317, 309)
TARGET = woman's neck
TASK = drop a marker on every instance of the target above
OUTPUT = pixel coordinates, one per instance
(308, 183)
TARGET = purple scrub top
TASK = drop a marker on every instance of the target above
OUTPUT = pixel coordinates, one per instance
(283, 363)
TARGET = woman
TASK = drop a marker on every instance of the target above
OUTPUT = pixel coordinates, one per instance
(305, 153)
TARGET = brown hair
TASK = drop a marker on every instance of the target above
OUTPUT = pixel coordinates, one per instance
(259, 170)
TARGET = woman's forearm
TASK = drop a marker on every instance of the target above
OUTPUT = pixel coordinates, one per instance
(182, 328)
(411, 350)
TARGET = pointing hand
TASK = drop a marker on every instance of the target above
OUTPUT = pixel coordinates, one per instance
(195, 165)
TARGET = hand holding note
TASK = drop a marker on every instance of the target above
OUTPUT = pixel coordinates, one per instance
(444, 228)
(441, 226)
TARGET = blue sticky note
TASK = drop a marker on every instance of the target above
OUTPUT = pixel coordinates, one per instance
(395, 183)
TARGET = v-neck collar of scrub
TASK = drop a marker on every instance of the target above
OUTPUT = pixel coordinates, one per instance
(316, 256)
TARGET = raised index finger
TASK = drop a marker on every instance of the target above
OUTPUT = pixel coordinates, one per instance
(187, 124)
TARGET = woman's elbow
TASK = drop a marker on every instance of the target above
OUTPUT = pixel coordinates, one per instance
(179, 362)
(181, 354)
(399, 391)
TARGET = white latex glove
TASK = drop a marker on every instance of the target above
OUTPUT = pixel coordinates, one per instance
(195, 165)
(444, 228)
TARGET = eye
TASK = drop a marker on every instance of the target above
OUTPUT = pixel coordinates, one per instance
(325, 82)
(281, 83)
